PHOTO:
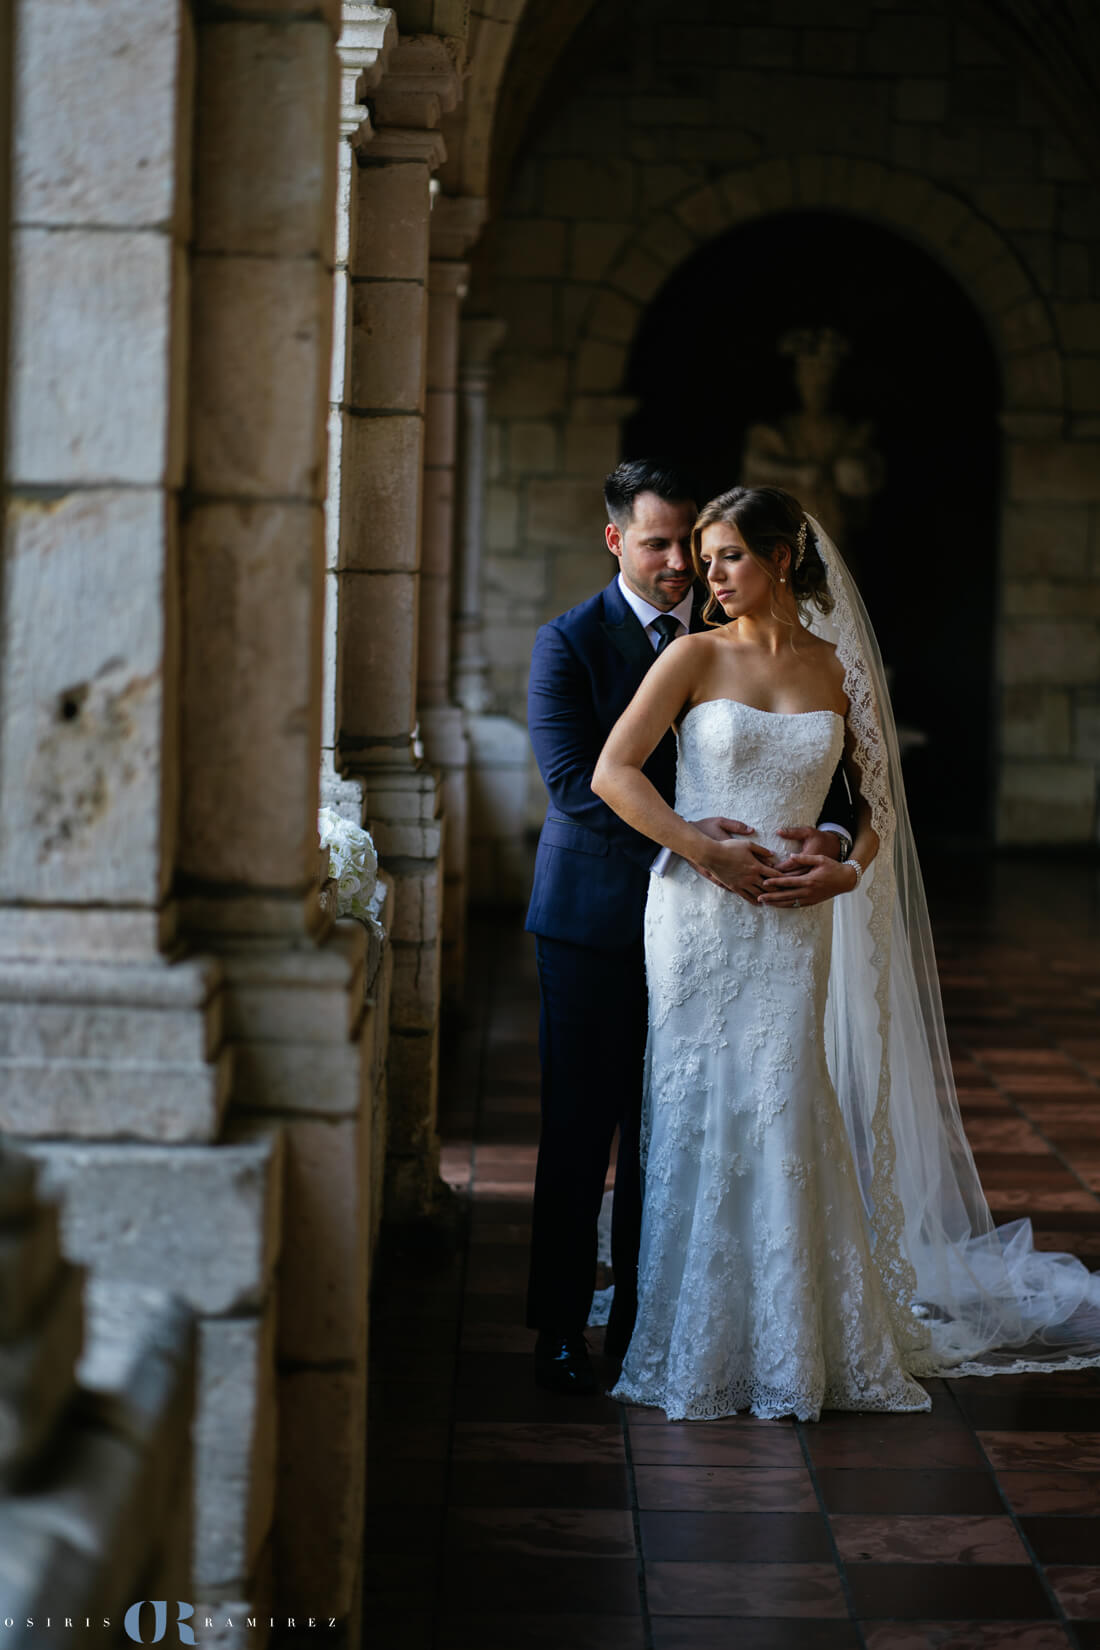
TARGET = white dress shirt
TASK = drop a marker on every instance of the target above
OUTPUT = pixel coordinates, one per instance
(646, 613)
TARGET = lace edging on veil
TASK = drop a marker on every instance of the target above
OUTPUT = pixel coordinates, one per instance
(966, 1297)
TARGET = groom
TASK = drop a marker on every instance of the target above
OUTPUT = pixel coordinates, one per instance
(587, 903)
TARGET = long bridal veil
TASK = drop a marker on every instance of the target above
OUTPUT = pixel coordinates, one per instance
(968, 1298)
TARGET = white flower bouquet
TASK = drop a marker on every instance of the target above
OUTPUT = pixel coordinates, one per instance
(352, 869)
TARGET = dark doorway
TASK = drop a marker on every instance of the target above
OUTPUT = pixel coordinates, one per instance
(705, 366)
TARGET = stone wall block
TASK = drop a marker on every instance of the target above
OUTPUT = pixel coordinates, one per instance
(258, 325)
(120, 164)
(380, 530)
(668, 239)
(393, 224)
(705, 213)
(529, 387)
(639, 275)
(235, 1437)
(415, 989)
(1044, 801)
(1034, 380)
(1027, 326)
(1045, 541)
(259, 569)
(592, 187)
(533, 446)
(201, 1221)
(317, 1546)
(82, 684)
(1036, 722)
(1042, 650)
(1055, 472)
(1083, 373)
(93, 352)
(600, 365)
(265, 162)
(1002, 284)
(566, 513)
(387, 357)
(378, 629)
(614, 317)
(895, 42)
(1079, 325)
(590, 449)
(324, 1271)
(593, 247)
(298, 1077)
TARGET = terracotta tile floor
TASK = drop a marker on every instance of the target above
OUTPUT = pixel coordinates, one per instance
(501, 1517)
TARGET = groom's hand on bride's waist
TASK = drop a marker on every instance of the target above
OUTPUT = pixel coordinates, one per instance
(735, 864)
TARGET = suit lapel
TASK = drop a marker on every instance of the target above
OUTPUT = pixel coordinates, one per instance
(624, 631)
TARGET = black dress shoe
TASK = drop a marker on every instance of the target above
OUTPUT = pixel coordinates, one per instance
(562, 1363)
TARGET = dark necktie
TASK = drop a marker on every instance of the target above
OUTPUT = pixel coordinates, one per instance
(667, 629)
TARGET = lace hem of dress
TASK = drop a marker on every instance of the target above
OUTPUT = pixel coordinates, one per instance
(769, 1403)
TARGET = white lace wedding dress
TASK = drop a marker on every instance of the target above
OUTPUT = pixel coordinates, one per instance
(757, 1286)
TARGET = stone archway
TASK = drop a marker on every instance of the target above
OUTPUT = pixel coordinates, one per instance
(1043, 793)
(1013, 306)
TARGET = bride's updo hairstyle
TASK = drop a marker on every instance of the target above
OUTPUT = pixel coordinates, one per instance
(766, 517)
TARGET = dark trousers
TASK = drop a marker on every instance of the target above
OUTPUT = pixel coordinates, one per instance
(592, 1033)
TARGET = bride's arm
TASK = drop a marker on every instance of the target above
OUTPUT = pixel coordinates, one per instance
(619, 781)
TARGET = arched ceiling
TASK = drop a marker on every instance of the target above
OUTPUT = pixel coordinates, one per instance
(514, 48)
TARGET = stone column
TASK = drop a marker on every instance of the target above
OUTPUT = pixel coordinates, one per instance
(379, 583)
(367, 38)
(481, 338)
(294, 1356)
(499, 752)
(455, 224)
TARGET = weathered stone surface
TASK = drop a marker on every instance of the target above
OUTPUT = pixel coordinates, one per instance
(324, 1274)
(81, 773)
(1046, 651)
(388, 360)
(1047, 802)
(393, 224)
(312, 994)
(235, 1441)
(264, 158)
(124, 163)
(1055, 472)
(320, 1491)
(201, 1221)
(262, 564)
(97, 340)
(378, 629)
(1036, 723)
(380, 518)
(1045, 541)
(259, 325)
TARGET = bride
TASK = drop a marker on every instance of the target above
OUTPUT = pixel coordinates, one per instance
(814, 1234)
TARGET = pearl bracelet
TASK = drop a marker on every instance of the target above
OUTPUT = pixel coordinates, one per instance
(857, 868)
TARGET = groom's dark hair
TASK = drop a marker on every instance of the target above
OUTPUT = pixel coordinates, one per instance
(643, 475)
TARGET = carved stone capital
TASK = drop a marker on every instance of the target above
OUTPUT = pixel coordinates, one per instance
(457, 221)
(422, 83)
(368, 36)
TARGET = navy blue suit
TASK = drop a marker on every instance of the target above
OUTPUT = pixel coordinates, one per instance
(587, 906)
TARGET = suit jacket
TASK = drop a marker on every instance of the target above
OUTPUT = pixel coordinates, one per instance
(591, 868)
